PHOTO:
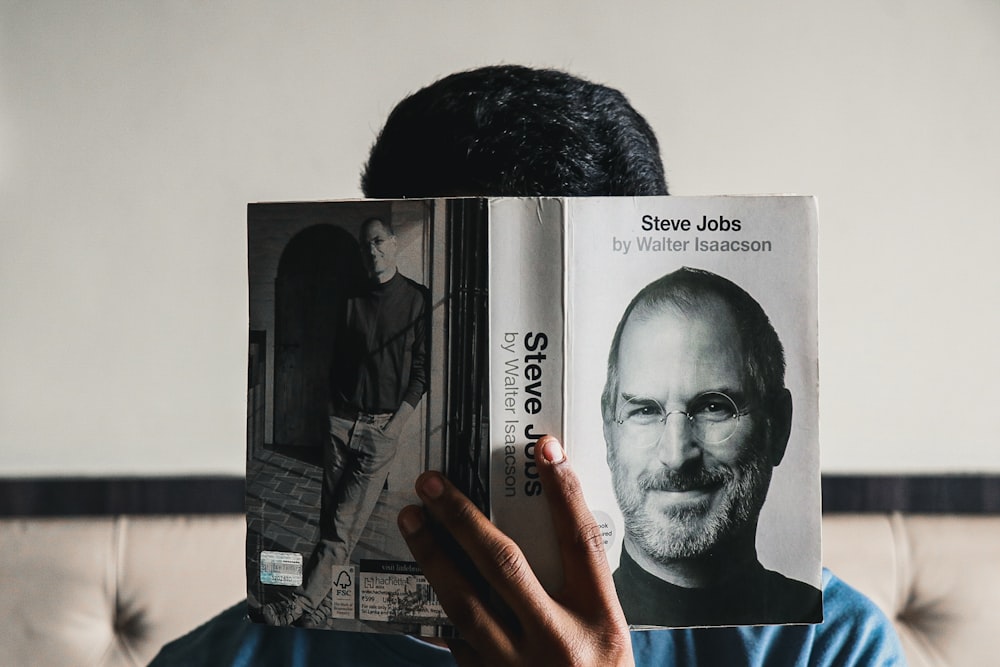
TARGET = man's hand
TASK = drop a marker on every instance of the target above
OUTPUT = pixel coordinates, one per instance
(581, 624)
(394, 427)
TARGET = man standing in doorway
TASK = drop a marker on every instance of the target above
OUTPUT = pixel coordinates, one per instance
(377, 377)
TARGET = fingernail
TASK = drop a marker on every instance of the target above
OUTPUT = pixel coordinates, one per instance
(552, 450)
(411, 519)
(432, 486)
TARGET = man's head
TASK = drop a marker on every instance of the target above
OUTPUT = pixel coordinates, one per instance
(378, 248)
(514, 131)
(695, 412)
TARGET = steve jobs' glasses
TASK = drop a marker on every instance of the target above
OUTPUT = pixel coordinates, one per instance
(712, 416)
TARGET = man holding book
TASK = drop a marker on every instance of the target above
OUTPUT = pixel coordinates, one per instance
(516, 131)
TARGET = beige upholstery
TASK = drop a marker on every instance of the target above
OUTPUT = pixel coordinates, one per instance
(112, 591)
(938, 577)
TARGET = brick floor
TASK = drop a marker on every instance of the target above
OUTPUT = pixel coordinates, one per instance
(283, 503)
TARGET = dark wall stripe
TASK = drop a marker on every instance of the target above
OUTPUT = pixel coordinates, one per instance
(917, 494)
(138, 495)
(957, 494)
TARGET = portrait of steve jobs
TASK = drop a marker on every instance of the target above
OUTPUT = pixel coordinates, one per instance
(696, 416)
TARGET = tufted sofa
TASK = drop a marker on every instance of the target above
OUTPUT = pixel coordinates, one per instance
(111, 591)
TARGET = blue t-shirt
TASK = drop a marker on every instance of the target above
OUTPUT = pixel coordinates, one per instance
(854, 632)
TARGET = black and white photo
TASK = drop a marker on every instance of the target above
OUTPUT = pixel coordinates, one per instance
(693, 356)
(696, 417)
(355, 389)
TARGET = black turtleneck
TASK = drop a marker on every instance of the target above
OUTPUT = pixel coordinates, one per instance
(757, 597)
(380, 354)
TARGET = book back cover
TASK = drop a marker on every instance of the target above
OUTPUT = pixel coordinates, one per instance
(366, 345)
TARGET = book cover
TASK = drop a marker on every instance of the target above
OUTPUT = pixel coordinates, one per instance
(674, 341)
(367, 333)
(700, 463)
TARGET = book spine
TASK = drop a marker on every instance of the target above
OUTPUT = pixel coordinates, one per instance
(526, 287)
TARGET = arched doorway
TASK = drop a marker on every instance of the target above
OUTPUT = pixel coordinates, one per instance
(318, 270)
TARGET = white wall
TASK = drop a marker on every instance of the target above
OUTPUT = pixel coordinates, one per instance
(132, 134)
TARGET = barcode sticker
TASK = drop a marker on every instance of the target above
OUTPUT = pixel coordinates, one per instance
(281, 568)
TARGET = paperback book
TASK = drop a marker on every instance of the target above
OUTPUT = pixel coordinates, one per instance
(670, 342)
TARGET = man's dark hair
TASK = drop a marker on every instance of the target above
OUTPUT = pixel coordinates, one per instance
(687, 290)
(514, 131)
